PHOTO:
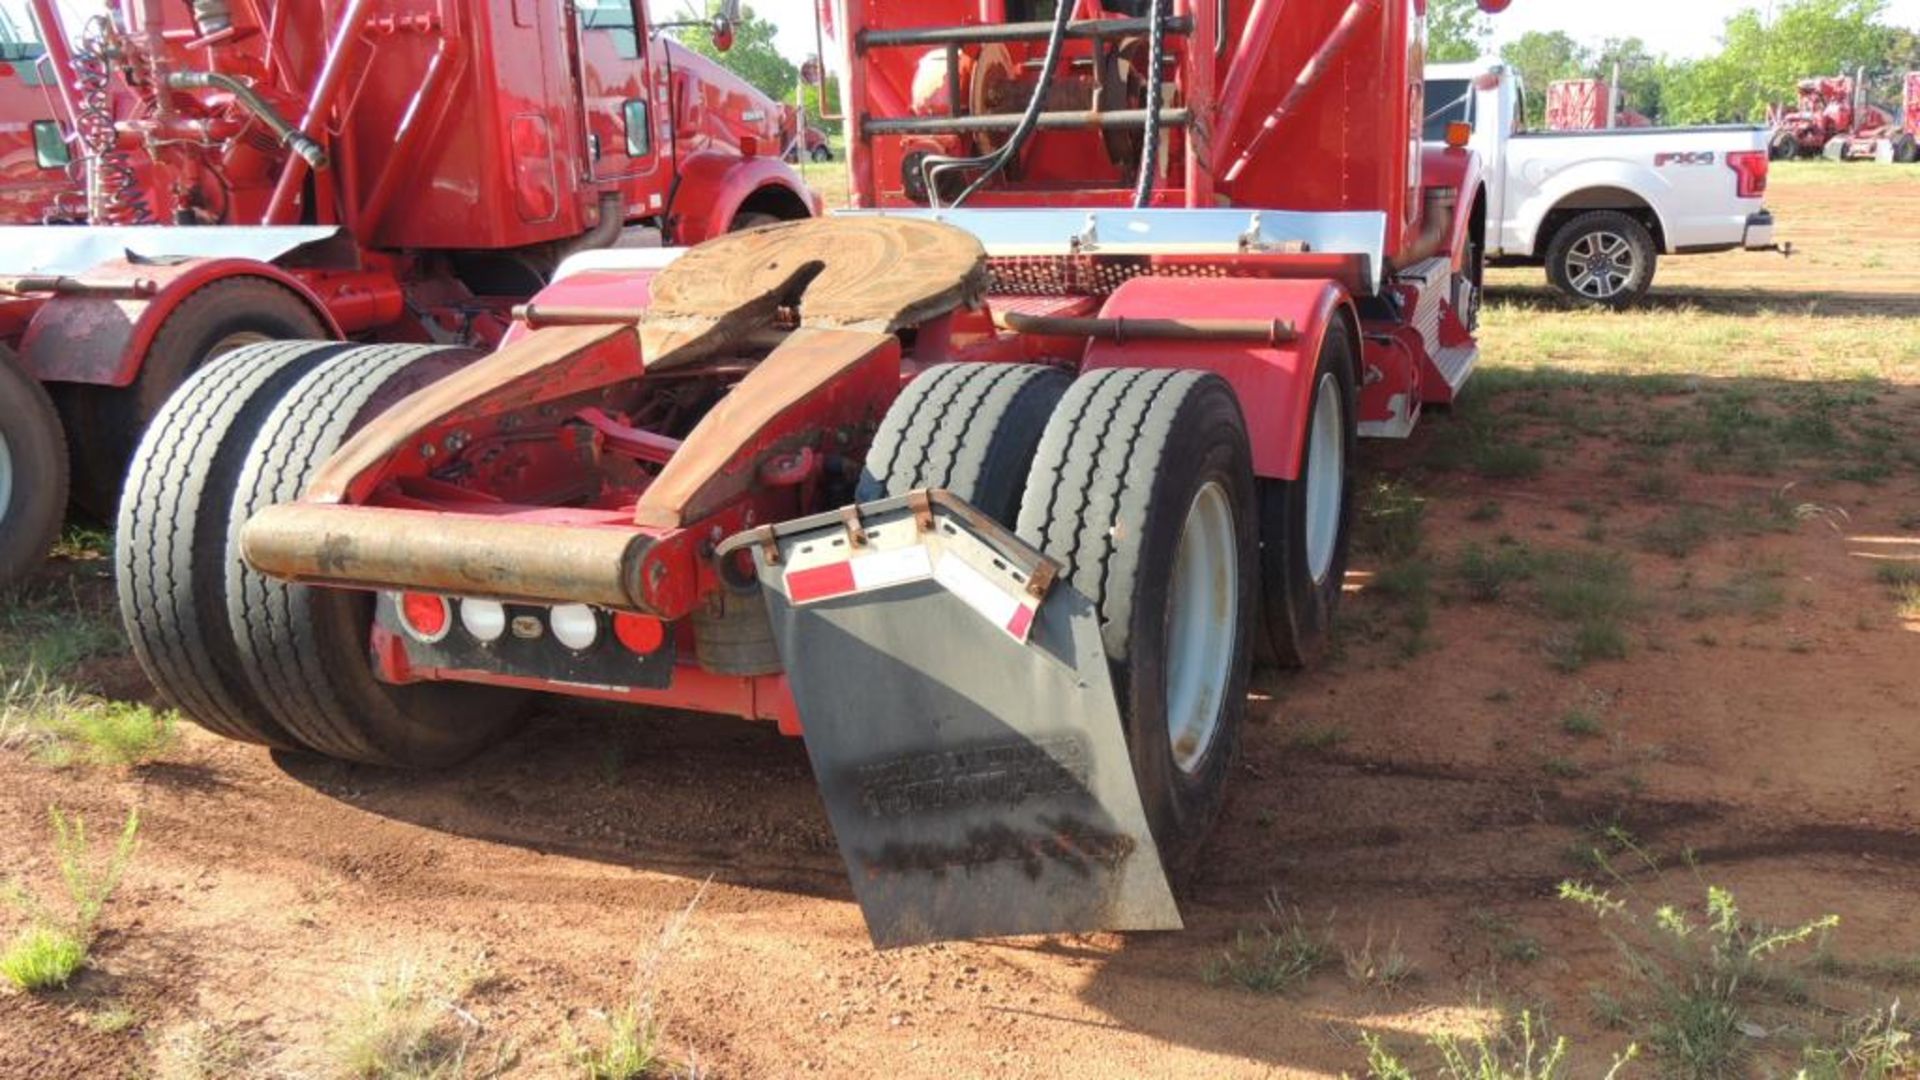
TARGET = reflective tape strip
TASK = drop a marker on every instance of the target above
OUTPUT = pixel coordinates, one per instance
(878, 570)
(1009, 609)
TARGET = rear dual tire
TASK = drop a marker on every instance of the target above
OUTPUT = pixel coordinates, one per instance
(246, 657)
(1141, 482)
(33, 472)
(1143, 487)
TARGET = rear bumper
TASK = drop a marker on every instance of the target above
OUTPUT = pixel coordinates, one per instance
(1760, 232)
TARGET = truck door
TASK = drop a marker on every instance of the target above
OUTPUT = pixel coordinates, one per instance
(622, 125)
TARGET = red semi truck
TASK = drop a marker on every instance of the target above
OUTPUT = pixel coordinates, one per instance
(375, 170)
(33, 151)
(992, 488)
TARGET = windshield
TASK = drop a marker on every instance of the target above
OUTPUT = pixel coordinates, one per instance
(1448, 101)
(18, 40)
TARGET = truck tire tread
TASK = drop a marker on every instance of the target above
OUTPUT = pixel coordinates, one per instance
(173, 542)
(969, 428)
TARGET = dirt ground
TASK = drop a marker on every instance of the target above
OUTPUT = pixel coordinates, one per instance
(1736, 703)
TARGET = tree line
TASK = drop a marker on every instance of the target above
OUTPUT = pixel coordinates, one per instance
(1761, 59)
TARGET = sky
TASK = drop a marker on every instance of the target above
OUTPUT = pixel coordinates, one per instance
(1680, 28)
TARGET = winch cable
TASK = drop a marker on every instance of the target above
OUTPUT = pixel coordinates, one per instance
(1150, 135)
(1029, 120)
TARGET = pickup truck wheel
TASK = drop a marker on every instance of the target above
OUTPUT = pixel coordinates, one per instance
(307, 650)
(171, 549)
(1603, 258)
(1143, 487)
(214, 320)
(1305, 522)
(969, 428)
(33, 471)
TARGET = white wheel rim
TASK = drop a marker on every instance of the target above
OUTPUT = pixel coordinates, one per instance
(1203, 618)
(1600, 264)
(1326, 478)
(6, 476)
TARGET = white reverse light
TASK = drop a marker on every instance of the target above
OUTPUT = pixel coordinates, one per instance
(576, 626)
(486, 620)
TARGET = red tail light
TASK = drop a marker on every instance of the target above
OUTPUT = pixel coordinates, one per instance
(425, 616)
(640, 634)
(1750, 172)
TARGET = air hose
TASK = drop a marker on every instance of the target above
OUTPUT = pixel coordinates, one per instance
(991, 164)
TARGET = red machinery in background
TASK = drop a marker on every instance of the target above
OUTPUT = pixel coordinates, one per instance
(993, 488)
(1834, 119)
(1589, 105)
(399, 170)
(1911, 110)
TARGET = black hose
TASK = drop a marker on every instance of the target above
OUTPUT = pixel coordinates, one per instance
(996, 161)
(1150, 133)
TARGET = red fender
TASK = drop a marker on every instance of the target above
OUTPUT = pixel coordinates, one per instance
(103, 339)
(713, 187)
(1273, 382)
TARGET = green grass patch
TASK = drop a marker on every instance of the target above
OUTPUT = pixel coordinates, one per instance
(55, 943)
(43, 957)
(1678, 534)
(1274, 957)
(1518, 1048)
(62, 727)
(1488, 574)
(1392, 522)
(1582, 723)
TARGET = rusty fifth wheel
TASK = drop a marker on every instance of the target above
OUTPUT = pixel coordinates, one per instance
(33, 472)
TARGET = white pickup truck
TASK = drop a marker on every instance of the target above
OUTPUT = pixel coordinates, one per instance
(1599, 208)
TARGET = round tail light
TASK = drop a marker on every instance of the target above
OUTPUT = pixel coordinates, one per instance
(425, 616)
(639, 633)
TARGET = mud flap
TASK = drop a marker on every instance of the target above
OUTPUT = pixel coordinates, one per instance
(961, 721)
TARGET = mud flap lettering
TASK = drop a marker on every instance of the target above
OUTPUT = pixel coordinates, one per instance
(963, 730)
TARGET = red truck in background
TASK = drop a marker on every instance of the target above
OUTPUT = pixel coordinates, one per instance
(382, 170)
(33, 150)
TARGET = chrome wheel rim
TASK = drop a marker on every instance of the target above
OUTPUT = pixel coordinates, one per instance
(1326, 478)
(1601, 264)
(6, 476)
(1203, 617)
